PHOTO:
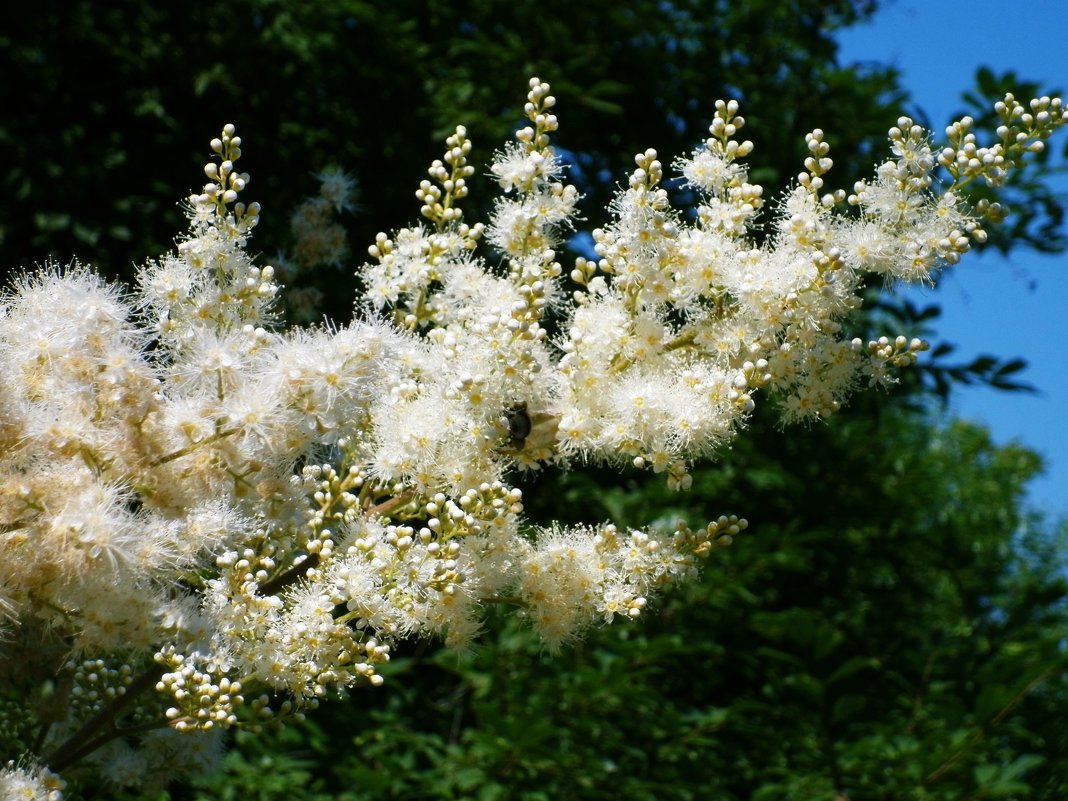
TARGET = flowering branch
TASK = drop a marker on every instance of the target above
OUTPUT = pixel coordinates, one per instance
(263, 515)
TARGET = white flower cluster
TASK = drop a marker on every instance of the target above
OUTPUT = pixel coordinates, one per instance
(19, 783)
(244, 519)
(570, 578)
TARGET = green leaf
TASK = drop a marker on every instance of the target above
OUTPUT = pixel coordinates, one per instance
(852, 666)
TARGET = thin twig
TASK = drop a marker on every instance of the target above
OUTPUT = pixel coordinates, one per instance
(978, 734)
(290, 576)
(82, 741)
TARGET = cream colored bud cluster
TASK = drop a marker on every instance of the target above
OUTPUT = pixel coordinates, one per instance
(203, 700)
(743, 201)
(401, 538)
(382, 247)
(225, 183)
(716, 172)
(756, 374)
(259, 283)
(639, 550)
(582, 274)
(649, 172)
(211, 288)
(339, 660)
(94, 683)
(536, 203)
(956, 243)
(335, 501)
(491, 505)
(817, 164)
(537, 108)
(900, 191)
(466, 385)
(444, 574)
(909, 142)
(718, 533)
(254, 566)
(646, 225)
(1022, 131)
(677, 473)
(373, 653)
(413, 264)
(724, 127)
(452, 179)
(725, 528)
(527, 310)
(413, 260)
(964, 158)
(898, 352)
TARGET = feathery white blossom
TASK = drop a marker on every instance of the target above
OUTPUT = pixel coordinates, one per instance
(208, 520)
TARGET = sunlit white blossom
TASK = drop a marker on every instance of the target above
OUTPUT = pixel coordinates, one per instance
(210, 520)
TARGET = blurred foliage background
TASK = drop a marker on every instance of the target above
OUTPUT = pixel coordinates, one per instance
(894, 625)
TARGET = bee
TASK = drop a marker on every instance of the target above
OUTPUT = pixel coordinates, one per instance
(529, 435)
(519, 424)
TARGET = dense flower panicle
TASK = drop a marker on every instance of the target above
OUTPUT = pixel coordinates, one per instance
(569, 579)
(206, 520)
(210, 284)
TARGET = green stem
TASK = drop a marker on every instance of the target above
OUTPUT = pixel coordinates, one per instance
(188, 449)
(984, 729)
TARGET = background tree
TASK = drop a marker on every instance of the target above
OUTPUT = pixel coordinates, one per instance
(373, 88)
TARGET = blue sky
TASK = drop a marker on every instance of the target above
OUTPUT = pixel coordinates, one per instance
(1008, 307)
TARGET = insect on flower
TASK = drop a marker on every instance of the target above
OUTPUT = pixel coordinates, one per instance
(519, 424)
